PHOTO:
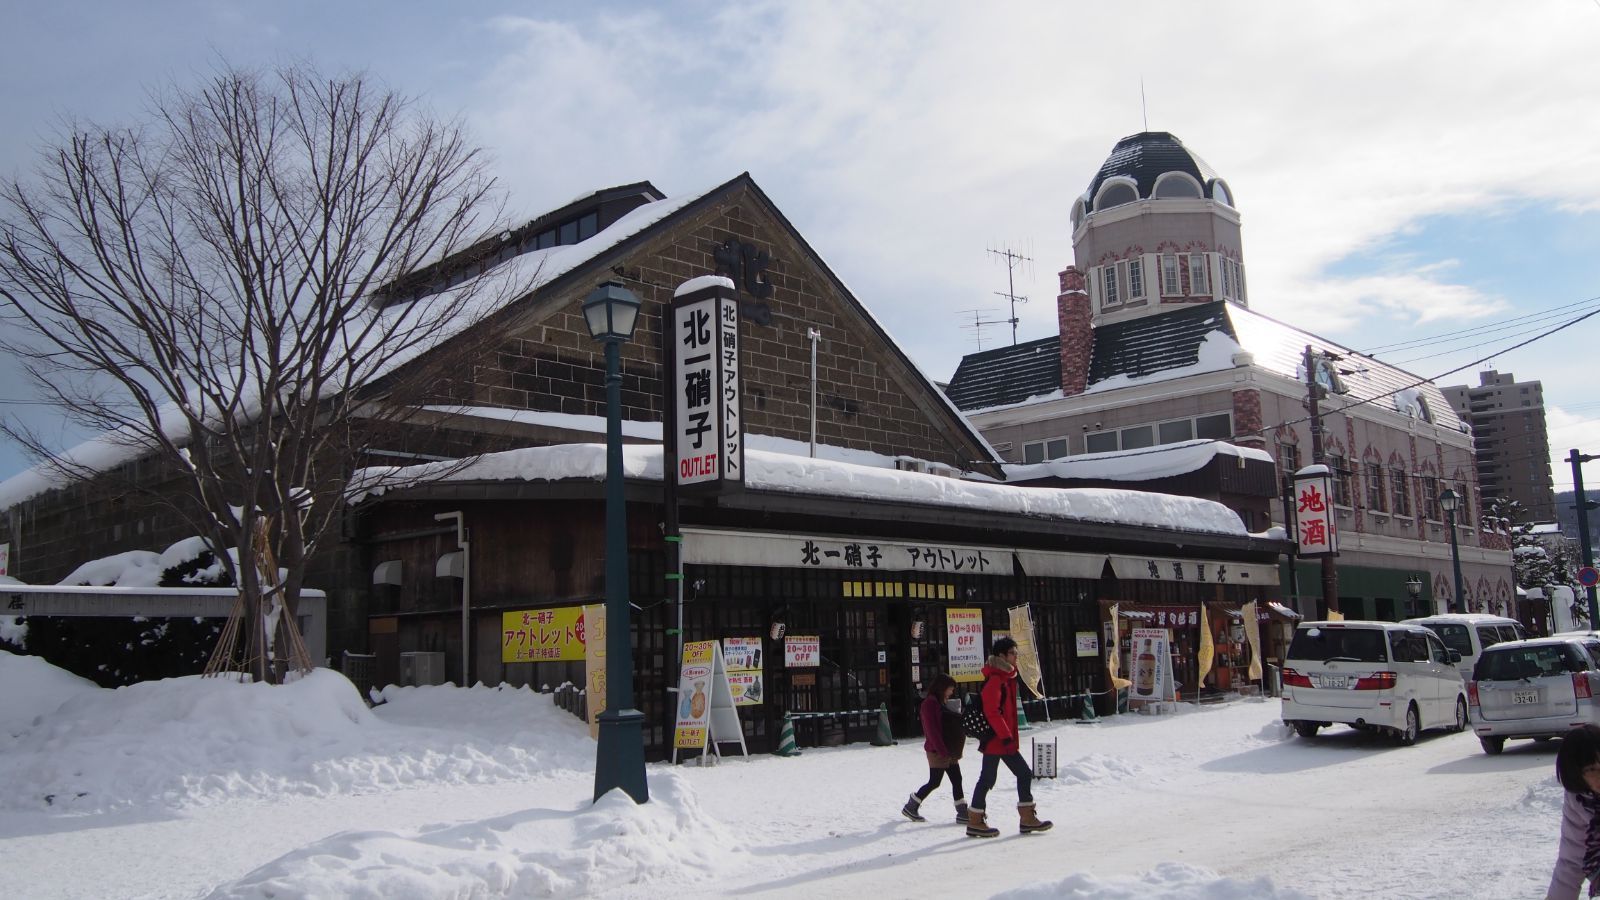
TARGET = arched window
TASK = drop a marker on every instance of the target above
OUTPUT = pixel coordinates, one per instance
(1220, 192)
(1177, 185)
(1115, 193)
(1077, 213)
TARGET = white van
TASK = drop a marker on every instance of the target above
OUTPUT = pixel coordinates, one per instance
(1396, 678)
(1469, 633)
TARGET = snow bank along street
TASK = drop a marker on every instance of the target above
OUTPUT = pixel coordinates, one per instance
(191, 787)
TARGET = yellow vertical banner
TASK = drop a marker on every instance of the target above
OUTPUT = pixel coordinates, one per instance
(1114, 652)
(1252, 635)
(594, 664)
(1208, 650)
(1027, 651)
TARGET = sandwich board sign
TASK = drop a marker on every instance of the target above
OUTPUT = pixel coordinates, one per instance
(706, 714)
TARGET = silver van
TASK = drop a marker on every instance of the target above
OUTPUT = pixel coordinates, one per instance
(1469, 634)
(1535, 689)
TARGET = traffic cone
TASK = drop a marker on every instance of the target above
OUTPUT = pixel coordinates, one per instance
(885, 736)
(787, 745)
(1088, 714)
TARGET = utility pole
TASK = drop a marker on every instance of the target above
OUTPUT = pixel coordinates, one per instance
(1330, 574)
(1584, 504)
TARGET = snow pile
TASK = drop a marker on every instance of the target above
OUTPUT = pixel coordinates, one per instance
(194, 741)
(1167, 881)
(142, 568)
(13, 631)
(537, 852)
(33, 689)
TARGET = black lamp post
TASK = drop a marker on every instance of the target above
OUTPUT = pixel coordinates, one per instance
(1414, 588)
(1448, 500)
(611, 311)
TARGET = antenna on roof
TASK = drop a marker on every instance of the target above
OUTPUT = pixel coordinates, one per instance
(1143, 106)
(979, 323)
(1012, 260)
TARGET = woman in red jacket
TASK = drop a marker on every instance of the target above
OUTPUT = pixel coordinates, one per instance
(999, 699)
(943, 740)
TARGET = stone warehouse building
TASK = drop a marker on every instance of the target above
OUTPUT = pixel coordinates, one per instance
(1157, 344)
(402, 582)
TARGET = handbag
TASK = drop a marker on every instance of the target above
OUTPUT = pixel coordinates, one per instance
(976, 724)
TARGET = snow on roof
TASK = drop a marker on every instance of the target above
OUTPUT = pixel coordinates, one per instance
(782, 472)
(534, 269)
(1280, 347)
(1215, 354)
(1135, 465)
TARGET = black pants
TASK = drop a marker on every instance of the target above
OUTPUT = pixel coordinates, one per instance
(936, 776)
(991, 769)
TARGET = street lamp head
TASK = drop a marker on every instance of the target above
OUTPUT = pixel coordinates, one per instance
(1414, 586)
(1449, 500)
(611, 311)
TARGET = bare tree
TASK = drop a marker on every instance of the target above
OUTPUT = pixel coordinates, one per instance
(216, 287)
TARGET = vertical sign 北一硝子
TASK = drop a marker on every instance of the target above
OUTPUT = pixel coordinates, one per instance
(705, 385)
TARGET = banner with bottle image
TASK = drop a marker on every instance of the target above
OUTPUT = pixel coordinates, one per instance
(743, 658)
(1151, 664)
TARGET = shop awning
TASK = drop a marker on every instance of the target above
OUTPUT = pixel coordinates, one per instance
(706, 546)
(1048, 564)
(1162, 568)
(1282, 610)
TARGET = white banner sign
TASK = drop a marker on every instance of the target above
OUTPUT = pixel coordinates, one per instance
(705, 385)
(966, 645)
(5, 559)
(1151, 664)
(802, 651)
(739, 548)
(1316, 529)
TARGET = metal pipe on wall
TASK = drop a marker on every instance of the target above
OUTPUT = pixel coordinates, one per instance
(465, 546)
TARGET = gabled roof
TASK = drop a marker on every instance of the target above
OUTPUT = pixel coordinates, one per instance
(550, 271)
(1007, 375)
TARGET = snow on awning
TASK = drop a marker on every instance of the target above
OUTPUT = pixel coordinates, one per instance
(1282, 610)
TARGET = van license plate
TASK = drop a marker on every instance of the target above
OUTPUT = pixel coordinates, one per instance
(1331, 681)
(1525, 697)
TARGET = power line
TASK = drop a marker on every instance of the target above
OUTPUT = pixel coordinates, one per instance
(1475, 330)
(1422, 381)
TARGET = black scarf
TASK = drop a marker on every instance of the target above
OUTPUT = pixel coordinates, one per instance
(1591, 842)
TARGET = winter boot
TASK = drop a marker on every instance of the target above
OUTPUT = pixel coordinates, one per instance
(977, 827)
(910, 809)
(961, 812)
(1030, 819)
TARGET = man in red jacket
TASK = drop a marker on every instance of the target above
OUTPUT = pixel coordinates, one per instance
(999, 699)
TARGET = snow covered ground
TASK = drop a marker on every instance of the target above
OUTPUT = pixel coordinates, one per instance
(203, 788)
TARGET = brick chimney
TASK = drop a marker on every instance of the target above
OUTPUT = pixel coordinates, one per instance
(1077, 334)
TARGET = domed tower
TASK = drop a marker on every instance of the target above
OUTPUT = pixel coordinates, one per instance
(1156, 229)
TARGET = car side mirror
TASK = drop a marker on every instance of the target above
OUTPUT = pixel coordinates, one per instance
(1455, 656)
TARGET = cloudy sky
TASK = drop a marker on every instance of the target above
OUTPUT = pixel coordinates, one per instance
(1406, 172)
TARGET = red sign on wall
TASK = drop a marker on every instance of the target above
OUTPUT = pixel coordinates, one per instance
(1316, 530)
